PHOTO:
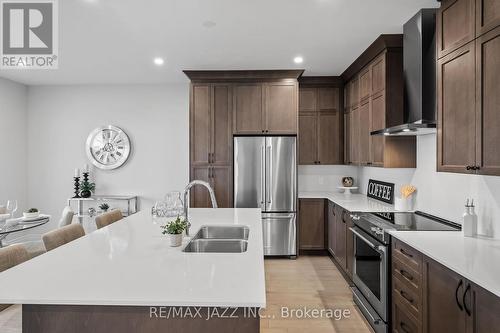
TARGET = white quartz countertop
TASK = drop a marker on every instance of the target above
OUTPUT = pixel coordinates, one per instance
(354, 203)
(476, 259)
(131, 263)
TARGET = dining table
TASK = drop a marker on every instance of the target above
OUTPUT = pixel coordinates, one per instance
(10, 226)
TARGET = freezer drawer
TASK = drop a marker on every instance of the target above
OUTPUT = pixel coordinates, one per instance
(279, 234)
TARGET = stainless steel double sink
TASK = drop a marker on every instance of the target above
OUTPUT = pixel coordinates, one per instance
(219, 239)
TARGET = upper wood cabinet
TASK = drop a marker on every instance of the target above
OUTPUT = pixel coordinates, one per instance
(269, 108)
(320, 121)
(312, 224)
(468, 104)
(374, 102)
(455, 25)
(487, 16)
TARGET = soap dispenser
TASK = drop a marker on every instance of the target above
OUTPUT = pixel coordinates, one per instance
(468, 221)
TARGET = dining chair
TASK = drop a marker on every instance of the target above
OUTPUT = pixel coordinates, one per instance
(11, 256)
(66, 217)
(61, 236)
(108, 218)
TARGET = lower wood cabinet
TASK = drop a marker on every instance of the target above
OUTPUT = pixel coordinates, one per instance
(332, 240)
(427, 297)
(312, 224)
(340, 235)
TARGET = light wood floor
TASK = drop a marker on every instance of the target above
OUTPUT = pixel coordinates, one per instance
(312, 282)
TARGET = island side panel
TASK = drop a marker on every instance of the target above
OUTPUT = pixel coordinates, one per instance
(140, 319)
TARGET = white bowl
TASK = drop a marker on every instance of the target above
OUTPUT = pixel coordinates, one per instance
(31, 215)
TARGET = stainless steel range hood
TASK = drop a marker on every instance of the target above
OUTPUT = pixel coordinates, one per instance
(419, 64)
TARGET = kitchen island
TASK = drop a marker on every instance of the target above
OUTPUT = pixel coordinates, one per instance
(126, 278)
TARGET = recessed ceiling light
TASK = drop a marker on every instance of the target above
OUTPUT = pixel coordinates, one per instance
(158, 61)
(209, 24)
(298, 60)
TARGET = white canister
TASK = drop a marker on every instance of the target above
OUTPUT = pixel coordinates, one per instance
(175, 239)
(403, 204)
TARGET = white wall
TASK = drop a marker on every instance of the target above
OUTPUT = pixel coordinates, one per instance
(440, 194)
(324, 177)
(13, 143)
(61, 117)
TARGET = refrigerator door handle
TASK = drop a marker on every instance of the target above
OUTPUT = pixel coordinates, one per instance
(269, 179)
(263, 176)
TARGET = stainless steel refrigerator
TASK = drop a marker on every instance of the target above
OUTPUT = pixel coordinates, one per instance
(265, 176)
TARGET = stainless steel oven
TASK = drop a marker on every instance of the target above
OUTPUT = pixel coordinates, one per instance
(370, 276)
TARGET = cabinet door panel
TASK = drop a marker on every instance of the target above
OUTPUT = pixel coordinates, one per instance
(347, 138)
(488, 102)
(328, 99)
(355, 132)
(281, 108)
(248, 108)
(307, 99)
(200, 124)
(456, 110)
(222, 184)
(377, 123)
(455, 25)
(364, 133)
(312, 224)
(485, 309)
(354, 95)
(340, 234)
(222, 124)
(378, 75)
(365, 84)
(332, 240)
(349, 247)
(329, 138)
(307, 139)
(487, 15)
(199, 195)
(442, 287)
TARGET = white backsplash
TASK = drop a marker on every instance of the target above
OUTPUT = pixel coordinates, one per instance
(438, 193)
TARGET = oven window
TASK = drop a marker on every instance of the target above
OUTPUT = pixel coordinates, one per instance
(368, 266)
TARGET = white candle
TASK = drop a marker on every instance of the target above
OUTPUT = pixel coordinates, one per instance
(85, 168)
(77, 172)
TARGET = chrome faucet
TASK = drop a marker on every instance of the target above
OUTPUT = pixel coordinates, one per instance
(186, 193)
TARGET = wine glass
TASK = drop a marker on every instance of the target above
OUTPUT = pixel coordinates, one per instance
(11, 207)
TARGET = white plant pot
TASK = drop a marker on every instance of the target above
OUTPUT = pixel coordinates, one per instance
(175, 240)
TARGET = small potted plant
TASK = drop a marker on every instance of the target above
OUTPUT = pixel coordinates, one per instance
(31, 213)
(174, 230)
(104, 207)
(86, 189)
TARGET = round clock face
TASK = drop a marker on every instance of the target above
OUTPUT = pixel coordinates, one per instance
(108, 147)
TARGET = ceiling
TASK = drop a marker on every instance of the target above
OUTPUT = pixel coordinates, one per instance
(115, 41)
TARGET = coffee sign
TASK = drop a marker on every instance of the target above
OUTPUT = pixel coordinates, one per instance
(381, 191)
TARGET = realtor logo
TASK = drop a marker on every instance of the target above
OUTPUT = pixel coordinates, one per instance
(29, 34)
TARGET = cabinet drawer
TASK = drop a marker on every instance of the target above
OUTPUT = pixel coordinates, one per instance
(402, 322)
(406, 274)
(407, 255)
(407, 297)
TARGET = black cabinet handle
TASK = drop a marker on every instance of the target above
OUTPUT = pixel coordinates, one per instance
(468, 167)
(406, 296)
(403, 252)
(456, 295)
(406, 274)
(404, 327)
(467, 310)
(477, 167)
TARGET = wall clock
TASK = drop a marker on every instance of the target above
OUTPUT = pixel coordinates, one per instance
(108, 147)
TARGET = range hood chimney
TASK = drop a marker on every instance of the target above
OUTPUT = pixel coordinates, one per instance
(419, 64)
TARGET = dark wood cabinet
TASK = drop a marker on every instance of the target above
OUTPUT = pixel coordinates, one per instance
(312, 224)
(340, 235)
(428, 297)
(321, 138)
(347, 138)
(375, 101)
(487, 16)
(456, 111)
(455, 25)
(349, 243)
(269, 108)
(332, 222)
(488, 102)
(211, 142)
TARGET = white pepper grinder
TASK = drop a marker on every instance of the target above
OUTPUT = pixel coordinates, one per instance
(469, 225)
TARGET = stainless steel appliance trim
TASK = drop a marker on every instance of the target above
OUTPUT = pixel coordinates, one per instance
(263, 178)
(269, 178)
(378, 325)
(279, 234)
(381, 306)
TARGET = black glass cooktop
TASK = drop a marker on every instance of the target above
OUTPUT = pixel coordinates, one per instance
(417, 221)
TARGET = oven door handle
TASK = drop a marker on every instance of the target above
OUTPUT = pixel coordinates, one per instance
(364, 239)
